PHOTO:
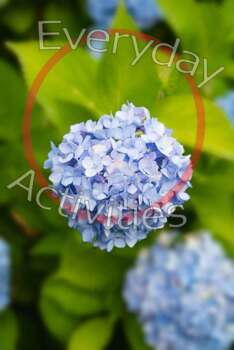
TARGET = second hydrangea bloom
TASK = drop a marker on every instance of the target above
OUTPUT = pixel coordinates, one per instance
(183, 294)
(145, 12)
(123, 163)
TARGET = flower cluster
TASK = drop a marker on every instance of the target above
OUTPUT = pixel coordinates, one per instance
(227, 103)
(4, 275)
(145, 12)
(183, 294)
(117, 166)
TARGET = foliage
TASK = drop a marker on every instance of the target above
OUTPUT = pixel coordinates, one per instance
(71, 290)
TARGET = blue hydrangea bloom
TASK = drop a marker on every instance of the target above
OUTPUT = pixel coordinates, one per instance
(183, 294)
(117, 166)
(4, 275)
(145, 12)
(227, 103)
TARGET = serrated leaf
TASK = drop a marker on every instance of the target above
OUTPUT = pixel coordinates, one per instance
(92, 335)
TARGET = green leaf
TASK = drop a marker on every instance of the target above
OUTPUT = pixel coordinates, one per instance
(69, 80)
(19, 18)
(185, 18)
(212, 195)
(73, 300)
(65, 13)
(52, 244)
(227, 11)
(63, 114)
(59, 323)
(179, 113)
(92, 335)
(92, 269)
(13, 166)
(134, 333)
(173, 81)
(113, 80)
(190, 22)
(11, 101)
(8, 331)
(119, 80)
(199, 35)
(122, 19)
(3, 3)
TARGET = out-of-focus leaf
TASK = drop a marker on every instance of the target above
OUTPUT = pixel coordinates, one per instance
(8, 331)
(227, 11)
(92, 269)
(173, 81)
(19, 18)
(52, 244)
(13, 166)
(119, 80)
(212, 195)
(74, 79)
(179, 15)
(63, 114)
(198, 33)
(63, 13)
(3, 3)
(70, 80)
(190, 21)
(73, 300)
(13, 158)
(59, 323)
(94, 334)
(179, 113)
(134, 333)
(229, 70)
(11, 101)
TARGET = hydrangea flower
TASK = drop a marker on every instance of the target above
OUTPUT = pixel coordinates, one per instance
(118, 168)
(183, 294)
(227, 103)
(145, 12)
(4, 275)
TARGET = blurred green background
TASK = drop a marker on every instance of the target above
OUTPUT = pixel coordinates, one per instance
(65, 294)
